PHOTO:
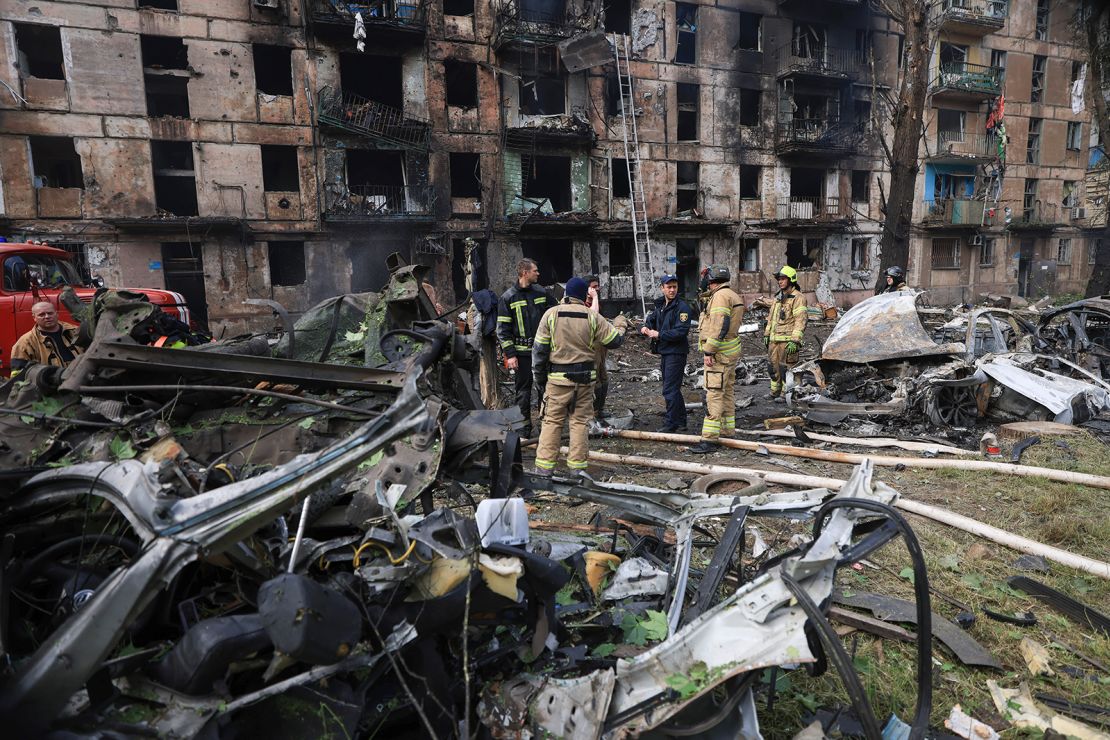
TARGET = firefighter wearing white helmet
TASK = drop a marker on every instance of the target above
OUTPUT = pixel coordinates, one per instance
(785, 326)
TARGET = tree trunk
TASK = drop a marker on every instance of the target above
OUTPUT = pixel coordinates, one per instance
(908, 117)
(1099, 282)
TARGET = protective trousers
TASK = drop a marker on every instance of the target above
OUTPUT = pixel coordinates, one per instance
(561, 402)
(780, 361)
(720, 401)
(523, 390)
(672, 368)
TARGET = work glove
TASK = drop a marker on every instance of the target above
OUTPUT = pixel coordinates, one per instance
(766, 341)
(621, 323)
(791, 347)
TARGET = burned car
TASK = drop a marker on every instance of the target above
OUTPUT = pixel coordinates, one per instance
(881, 361)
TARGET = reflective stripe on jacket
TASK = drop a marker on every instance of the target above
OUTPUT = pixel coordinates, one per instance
(719, 331)
(518, 316)
(787, 320)
(568, 336)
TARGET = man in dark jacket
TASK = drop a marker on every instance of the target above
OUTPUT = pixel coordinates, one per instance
(518, 317)
(668, 325)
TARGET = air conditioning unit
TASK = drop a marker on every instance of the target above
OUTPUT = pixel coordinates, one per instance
(1078, 214)
(267, 4)
(977, 240)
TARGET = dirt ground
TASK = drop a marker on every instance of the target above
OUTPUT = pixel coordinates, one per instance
(962, 567)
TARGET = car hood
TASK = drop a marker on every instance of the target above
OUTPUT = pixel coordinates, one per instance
(883, 327)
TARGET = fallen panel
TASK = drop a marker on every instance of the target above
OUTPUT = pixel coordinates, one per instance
(883, 327)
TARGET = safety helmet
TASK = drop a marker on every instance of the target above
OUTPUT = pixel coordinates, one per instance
(718, 274)
(788, 272)
(895, 272)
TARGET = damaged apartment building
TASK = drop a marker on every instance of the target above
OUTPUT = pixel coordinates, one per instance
(280, 149)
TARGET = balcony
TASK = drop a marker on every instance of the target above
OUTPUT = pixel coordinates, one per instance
(959, 147)
(359, 115)
(525, 23)
(971, 17)
(555, 130)
(818, 62)
(382, 16)
(965, 81)
(802, 210)
(955, 212)
(1036, 217)
(362, 203)
(819, 137)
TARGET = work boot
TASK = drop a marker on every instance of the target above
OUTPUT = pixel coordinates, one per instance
(601, 391)
(704, 447)
(667, 429)
(542, 472)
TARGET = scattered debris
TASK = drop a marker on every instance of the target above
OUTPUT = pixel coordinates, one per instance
(1019, 707)
(1036, 657)
(965, 726)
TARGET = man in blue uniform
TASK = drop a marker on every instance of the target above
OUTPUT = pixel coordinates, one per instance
(668, 326)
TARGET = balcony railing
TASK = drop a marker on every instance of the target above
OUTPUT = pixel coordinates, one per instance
(962, 145)
(817, 209)
(516, 21)
(403, 14)
(977, 17)
(964, 77)
(379, 202)
(821, 60)
(816, 135)
(361, 115)
(956, 212)
(1039, 215)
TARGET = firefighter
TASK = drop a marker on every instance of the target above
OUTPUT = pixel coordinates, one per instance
(719, 342)
(564, 363)
(895, 279)
(785, 326)
(518, 314)
(49, 342)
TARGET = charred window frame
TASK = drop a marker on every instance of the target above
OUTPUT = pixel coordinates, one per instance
(986, 253)
(686, 25)
(466, 175)
(458, 7)
(175, 185)
(804, 254)
(1063, 251)
(751, 32)
(622, 252)
(945, 253)
(1041, 23)
(460, 81)
(1029, 198)
(55, 162)
(1036, 89)
(861, 186)
(549, 177)
(861, 254)
(543, 95)
(618, 16)
(619, 180)
(1033, 143)
(287, 263)
(39, 51)
(280, 171)
(750, 175)
(688, 94)
(1074, 140)
(165, 76)
(273, 69)
(750, 101)
(686, 190)
(749, 255)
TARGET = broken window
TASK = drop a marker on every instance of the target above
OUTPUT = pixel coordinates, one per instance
(808, 41)
(861, 186)
(620, 180)
(998, 61)
(618, 16)
(861, 109)
(159, 4)
(622, 250)
(751, 32)
(950, 125)
(861, 249)
(373, 77)
(1036, 93)
(1033, 143)
(749, 106)
(986, 253)
(1071, 194)
(458, 7)
(287, 263)
(1063, 252)
(1029, 199)
(953, 57)
(552, 257)
(1040, 31)
(749, 180)
(806, 182)
(549, 177)
(802, 254)
(612, 94)
(945, 253)
(175, 188)
(273, 69)
(461, 82)
(466, 175)
(55, 163)
(1093, 248)
(953, 185)
(543, 96)
(183, 270)
(374, 168)
(1075, 135)
(686, 20)
(749, 255)
(687, 111)
(280, 172)
(686, 194)
(39, 50)
(165, 76)
(863, 45)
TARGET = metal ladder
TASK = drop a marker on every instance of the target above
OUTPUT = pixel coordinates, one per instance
(632, 158)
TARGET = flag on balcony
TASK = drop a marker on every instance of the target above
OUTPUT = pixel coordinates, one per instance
(995, 117)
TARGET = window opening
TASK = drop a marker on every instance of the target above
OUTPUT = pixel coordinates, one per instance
(273, 69)
(749, 180)
(986, 253)
(621, 250)
(1071, 194)
(466, 175)
(374, 77)
(802, 254)
(612, 94)
(543, 96)
(175, 188)
(749, 106)
(1075, 135)
(620, 180)
(686, 51)
(1029, 199)
(280, 172)
(861, 186)
(686, 194)
(287, 263)
(183, 270)
(461, 83)
(552, 257)
(549, 177)
(1036, 93)
(861, 250)
(751, 32)
(1033, 144)
(1063, 252)
(55, 163)
(806, 182)
(1093, 248)
(808, 41)
(951, 125)
(458, 7)
(39, 49)
(1040, 31)
(165, 76)
(687, 111)
(945, 253)
(749, 255)
(159, 4)
(688, 265)
(998, 61)
(618, 16)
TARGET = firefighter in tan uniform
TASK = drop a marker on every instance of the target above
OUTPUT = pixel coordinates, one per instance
(785, 326)
(719, 341)
(564, 364)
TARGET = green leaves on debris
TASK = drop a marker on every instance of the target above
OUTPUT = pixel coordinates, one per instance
(121, 449)
(639, 630)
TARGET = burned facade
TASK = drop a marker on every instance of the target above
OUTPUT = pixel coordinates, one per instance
(280, 150)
